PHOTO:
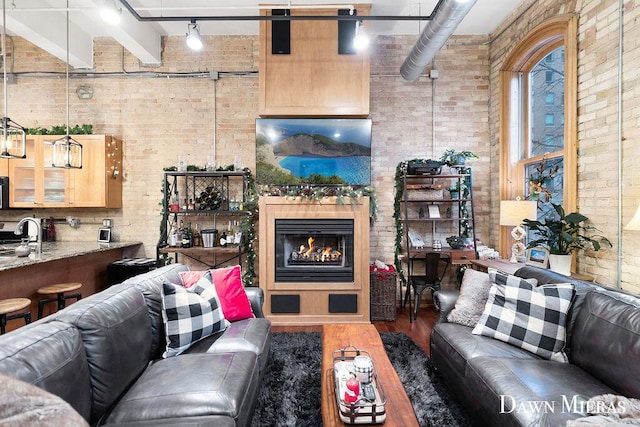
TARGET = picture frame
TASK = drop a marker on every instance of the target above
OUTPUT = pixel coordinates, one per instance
(104, 235)
(538, 257)
(416, 240)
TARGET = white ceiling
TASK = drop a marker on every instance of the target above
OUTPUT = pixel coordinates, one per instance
(44, 22)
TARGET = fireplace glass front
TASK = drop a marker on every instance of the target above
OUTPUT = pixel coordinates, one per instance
(314, 250)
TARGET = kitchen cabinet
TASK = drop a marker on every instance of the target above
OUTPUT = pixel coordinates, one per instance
(313, 79)
(4, 167)
(35, 183)
(212, 200)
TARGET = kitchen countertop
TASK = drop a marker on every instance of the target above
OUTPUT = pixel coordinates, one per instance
(52, 251)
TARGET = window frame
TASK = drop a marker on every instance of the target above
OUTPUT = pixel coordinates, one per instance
(534, 47)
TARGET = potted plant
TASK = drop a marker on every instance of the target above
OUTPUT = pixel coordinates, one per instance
(453, 158)
(458, 191)
(562, 234)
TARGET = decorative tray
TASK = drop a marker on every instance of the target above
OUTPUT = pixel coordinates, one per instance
(363, 410)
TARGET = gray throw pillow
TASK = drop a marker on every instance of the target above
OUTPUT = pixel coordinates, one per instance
(474, 292)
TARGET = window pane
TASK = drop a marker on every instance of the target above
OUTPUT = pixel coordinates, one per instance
(546, 101)
(545, 183)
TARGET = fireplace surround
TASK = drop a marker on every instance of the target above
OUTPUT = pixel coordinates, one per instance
(314, 260)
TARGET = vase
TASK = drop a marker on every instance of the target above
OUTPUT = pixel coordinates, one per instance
(560, 263)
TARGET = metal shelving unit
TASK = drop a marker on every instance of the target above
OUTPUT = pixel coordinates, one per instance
(219, 193)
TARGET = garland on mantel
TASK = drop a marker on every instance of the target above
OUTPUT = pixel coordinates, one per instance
(317, 194)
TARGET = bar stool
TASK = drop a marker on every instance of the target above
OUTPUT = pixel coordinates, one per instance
(58, 289)
(11, 305)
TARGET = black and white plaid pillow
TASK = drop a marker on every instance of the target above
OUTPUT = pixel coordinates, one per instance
(190, 314)
(526, 316)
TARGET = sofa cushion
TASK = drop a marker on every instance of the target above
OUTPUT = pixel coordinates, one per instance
(25, 405)
(116, 332)
(459, 345)
(190, 314)
(526, 316)
(150, 284)
(244, 335)
(606, 340)
(529, 392)
(193, 385)
(50, 355)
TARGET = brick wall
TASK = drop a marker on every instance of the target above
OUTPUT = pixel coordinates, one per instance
(159, 117)
(598, 174)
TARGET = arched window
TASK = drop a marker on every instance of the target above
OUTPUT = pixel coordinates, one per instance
(538, 119)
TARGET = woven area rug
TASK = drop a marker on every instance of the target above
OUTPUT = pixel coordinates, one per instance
(290, 393)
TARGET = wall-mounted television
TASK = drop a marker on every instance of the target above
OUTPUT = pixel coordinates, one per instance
(296, 151)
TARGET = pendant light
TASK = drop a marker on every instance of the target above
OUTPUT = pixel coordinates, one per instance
(67, 152)
(13, 142)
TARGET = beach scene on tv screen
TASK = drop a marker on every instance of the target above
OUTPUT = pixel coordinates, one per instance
(313, 151)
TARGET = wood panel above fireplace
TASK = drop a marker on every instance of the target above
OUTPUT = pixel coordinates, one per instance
(315, 270)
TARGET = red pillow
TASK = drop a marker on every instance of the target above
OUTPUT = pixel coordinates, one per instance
(233, 298)
(190, 278)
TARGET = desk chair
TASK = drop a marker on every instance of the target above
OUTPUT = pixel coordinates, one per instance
(430, 280)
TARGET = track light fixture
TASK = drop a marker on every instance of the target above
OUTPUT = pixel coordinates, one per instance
(110, 13)
(361, 38)
(194, 41)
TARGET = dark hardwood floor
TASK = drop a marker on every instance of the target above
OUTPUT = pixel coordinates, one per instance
(419, 330)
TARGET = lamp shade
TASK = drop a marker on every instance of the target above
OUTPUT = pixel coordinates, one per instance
(512, 212)
(634, 224)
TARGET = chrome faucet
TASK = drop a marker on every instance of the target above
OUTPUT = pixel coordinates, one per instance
(38, 229)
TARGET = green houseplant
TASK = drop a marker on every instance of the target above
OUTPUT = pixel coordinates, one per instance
(452, 157)
(564, 233)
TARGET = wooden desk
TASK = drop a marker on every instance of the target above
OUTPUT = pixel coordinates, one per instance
(398, 409)
(508, 267)
(456, 256)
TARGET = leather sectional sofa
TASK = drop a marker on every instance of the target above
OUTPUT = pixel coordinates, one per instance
(102, 355)
(504, 385)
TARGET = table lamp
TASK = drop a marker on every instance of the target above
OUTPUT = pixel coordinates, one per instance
(513, 212)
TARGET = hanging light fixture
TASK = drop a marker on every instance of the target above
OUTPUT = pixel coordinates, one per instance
(361, 38)
(13, 142)
(67, 152)
(110, 13)
(194, 40)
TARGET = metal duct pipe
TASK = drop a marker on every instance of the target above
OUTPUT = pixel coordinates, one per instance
(434, 35)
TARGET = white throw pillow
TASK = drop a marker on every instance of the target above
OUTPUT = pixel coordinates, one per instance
(190, 315)
(526, 316)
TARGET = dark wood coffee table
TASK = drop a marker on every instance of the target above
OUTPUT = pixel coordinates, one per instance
(365, 337)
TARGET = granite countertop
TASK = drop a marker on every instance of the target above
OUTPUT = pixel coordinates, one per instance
(52, 251)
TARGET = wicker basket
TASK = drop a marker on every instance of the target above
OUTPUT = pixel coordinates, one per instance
(383, 295)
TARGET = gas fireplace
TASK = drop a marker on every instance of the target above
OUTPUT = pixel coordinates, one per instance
(314, 250)
(314, 260)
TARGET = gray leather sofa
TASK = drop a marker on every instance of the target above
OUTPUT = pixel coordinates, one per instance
(102, 355)
(503, 385)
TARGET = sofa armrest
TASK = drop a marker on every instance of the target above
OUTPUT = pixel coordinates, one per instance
(256, 297)
(445, 301)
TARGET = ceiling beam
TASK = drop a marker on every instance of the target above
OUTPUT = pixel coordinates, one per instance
(142, 40)
(48, 31)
